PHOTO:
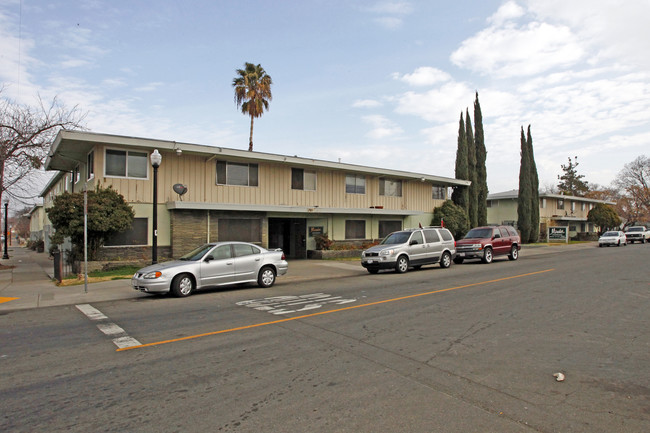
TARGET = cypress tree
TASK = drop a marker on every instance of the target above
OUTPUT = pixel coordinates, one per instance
(481, 169)
(534, 189)
(471, 163)
(524, 200)
(460, 196)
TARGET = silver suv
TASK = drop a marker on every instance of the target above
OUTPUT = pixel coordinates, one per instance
(411, 248)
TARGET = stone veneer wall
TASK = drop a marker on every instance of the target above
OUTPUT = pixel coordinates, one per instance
(189, 229)
(139, 254)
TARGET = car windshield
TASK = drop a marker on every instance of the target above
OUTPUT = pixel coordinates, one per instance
(198, 253)
(396, 238)
(478, 234)
(634, 229)
(608, 234)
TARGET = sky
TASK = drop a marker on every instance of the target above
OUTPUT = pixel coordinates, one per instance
(376, 83)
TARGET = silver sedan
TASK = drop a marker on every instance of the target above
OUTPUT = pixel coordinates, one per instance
(210, 265)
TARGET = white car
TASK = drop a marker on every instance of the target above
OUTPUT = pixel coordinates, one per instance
(637, 234)
(612, 238)
(210, 265)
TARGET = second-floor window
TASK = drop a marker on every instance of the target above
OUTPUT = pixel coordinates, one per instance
(123, 163)
(303, 179)
(355, 184)
(560, 204)
(439, 192)
(390, 187)
(232, 173)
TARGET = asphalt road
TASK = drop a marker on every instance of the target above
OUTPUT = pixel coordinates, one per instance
(472, 348)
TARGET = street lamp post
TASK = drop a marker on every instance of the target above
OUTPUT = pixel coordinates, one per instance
(156, 159)
(5, 256)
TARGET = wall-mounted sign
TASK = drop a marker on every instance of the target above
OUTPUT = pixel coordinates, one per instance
(315, 231)
(556, 234)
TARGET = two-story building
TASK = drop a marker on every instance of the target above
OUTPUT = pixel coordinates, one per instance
(269, 199)
(554, 210)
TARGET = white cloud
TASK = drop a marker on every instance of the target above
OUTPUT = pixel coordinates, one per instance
(424, 76)
(366, 103)
(436, 105)
(149, 87)
(382, 127)
(392, 13)
(512, 51)
(508, 11)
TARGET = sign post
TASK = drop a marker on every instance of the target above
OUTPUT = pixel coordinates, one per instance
(558, 234)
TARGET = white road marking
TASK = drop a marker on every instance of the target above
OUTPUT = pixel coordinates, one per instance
(121, 339)
(286, 304)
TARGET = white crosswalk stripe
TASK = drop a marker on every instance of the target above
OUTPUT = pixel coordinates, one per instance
(121, 339)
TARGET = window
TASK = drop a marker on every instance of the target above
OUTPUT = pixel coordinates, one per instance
(512, 231)
(582, 207)
(221, 252)
(245, 250)
(246, 230)
(231, 173)
(543, 203)
(122, 163)
(446, 235)
(391, 188)
(591, 206)
(431, 236)
(303, 179)
(355, 184)
(573, 206)
(489, 203)
(355, 229)
(504, 232)
(560, 204)
(136, 235)
(75, 175)
(439, 192)
(90, 166)
(388, 227)
(416, 239)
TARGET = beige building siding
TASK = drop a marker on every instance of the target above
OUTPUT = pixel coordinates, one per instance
(286, 214)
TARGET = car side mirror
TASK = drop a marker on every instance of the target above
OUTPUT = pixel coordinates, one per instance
(496, 236)
(413, 242)
(208, 258)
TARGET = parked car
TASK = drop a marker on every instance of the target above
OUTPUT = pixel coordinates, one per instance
(210, 265)
(637, 234)
(487, 242)
(411, 248)
(615, 237)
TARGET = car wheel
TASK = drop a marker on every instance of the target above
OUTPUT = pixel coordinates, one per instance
(487, 255)
(618, 244)
(514, 253)
(266, 277)
(459, 260)
(402, 264)
(182, 285)
(373, 271)
(445, 260)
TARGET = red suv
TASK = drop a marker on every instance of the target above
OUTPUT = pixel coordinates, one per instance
(486, 242)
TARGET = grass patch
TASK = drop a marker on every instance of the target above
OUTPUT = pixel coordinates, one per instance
(122, 273)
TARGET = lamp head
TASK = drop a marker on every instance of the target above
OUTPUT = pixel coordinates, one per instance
(156, 158)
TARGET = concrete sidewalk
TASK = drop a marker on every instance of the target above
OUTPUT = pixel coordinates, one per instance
(29, 283)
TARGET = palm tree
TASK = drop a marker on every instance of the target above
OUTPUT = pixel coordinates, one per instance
(252, 93)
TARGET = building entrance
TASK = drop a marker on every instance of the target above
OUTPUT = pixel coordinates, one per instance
(290, 234)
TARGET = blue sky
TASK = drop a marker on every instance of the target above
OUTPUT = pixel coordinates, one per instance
(378, 83)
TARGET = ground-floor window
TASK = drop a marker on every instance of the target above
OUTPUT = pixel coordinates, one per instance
(136, 235)
(245, 230)
(388, 227)
(355, 229)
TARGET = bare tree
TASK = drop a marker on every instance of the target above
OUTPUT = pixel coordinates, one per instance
(633, 182)
(26, 135)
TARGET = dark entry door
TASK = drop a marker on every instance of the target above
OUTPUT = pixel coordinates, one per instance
(290, 235)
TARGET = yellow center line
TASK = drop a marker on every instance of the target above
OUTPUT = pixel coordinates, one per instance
(240, 328)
